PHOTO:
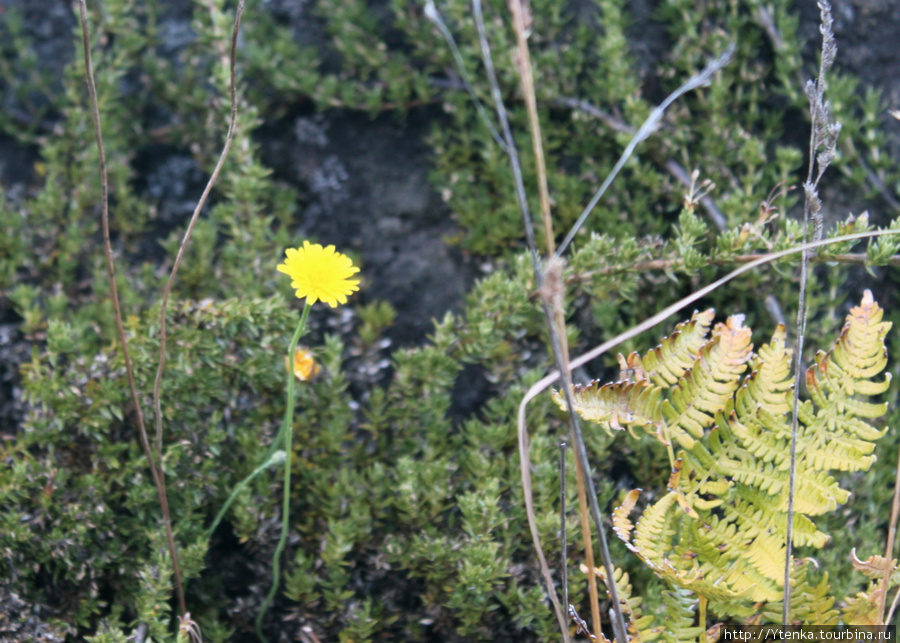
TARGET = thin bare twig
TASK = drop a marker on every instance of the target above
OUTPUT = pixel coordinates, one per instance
(558, 610)
(593, 593)
(563, 540)
(560, 356)
(889, 550)
(158, 480)
(894, 603)
(434, 16)
(712, 210)
(855, 258)
(551, 295)
(824, 133)
(575, 429)
(507, 136)
(553, 302)
(238, 14)
(649, 126)
(672, 167)
(521, 25)
(606, 118)
(718, 218)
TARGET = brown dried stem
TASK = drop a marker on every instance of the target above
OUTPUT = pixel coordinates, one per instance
(239, 12)
(889, 550)
(521, 25)
(111, 271)
(554, 300)
(528, 225)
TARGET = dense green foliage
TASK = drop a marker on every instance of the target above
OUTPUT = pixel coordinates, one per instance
(408, 523)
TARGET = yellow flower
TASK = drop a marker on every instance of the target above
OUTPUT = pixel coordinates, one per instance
(320, 273)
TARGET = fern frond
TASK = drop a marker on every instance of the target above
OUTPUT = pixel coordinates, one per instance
(860, 349)
(617, 404)
(764, 476)
(719, 529)
(710, 566)
(810, 604)
(710, 383)
(863, 608)
(680, 606)
(766, 554)
(843, 453)
(731, 565)
(816, 493)
(622, 525)
(655, 529)
(873, 567)
(753, 508)
(640, 626)
(668, 362)
(763, 402)
(770, 382)
(836, 437)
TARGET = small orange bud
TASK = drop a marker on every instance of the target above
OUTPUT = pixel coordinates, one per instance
(305, 367)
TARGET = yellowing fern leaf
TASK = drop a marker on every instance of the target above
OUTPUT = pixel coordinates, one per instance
(640, 627)
(668, 362)
(720, 527)
(863, 609)
(873, 567)
(616, 404)
(811, 604)
(709, 384)
(836, 432)
(655, 529)
(622, 525)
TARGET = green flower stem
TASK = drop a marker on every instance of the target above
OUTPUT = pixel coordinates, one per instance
(285, 435)
(277, 457)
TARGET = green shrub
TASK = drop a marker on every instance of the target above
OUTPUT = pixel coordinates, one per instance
(407, 523)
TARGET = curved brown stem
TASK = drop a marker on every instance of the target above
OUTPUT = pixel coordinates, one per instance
(111, 270)
(229, 137)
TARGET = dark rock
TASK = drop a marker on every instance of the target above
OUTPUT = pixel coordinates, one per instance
(21, 622)
(367, 190)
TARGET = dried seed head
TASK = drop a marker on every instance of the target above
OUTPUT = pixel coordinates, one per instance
(554, 286)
